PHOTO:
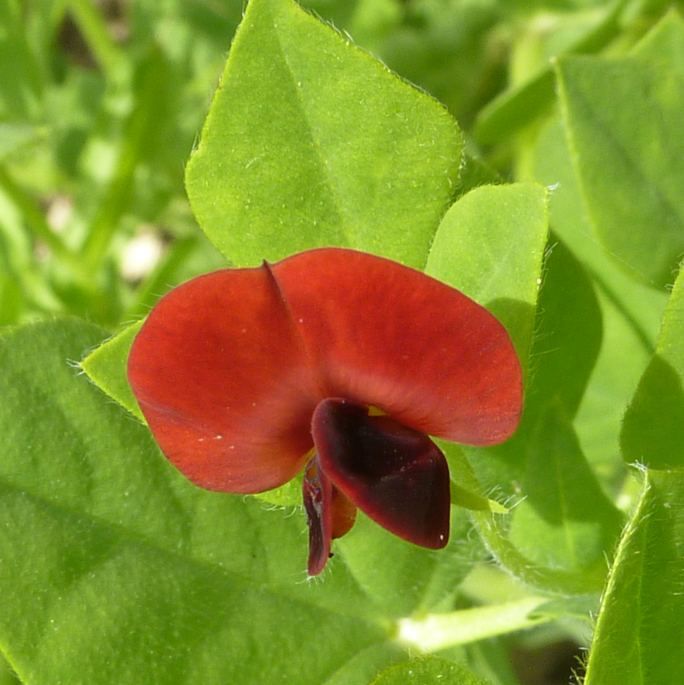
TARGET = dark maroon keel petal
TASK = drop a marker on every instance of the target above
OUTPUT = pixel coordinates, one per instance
(317, 494)
(396, 475)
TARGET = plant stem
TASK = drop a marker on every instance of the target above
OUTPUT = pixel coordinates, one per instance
(94, 31)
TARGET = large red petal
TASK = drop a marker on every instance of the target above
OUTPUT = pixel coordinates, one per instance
(392, 473)
(390, 336)
(223, 382)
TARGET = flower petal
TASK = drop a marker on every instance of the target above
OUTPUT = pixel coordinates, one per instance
(392, 337)
(394, 474)
(329, 514)
(223, 382)
(317, 495)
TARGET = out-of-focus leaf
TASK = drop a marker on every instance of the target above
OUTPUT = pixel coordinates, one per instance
(653, 428)
(310, 142)
(624, 121)
(20, 77)
(520, 105)
(14, 136)
(638, 640)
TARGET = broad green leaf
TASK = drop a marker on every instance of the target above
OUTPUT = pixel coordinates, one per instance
(490, 245)
(567, 334)
(653, 428)
(623, 118)
(116, 569)
(428, 670)
(638, 638)
(566, 521)
(309, 141)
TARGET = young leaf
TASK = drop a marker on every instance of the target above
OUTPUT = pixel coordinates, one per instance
(638, 640)
(106, 367)
(623, 118)
(310, 142)
(490, 245)
(653, 428)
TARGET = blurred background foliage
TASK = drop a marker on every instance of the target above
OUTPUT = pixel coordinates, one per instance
(101, 102)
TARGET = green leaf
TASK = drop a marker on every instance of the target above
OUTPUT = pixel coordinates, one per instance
(653, 428)
(490, 245)
(494, 534)
(7, 675)
(106, 367)
(562, 359)
(310, 141)
(630, 311)
(561, 363)
(429, 579)
(664, 42)
(566, 521)
(623, 117)
(638, 640)
(117, 569)
(521, 104)
(426, 671)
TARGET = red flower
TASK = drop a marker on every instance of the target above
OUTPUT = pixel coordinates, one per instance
(336, 362)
